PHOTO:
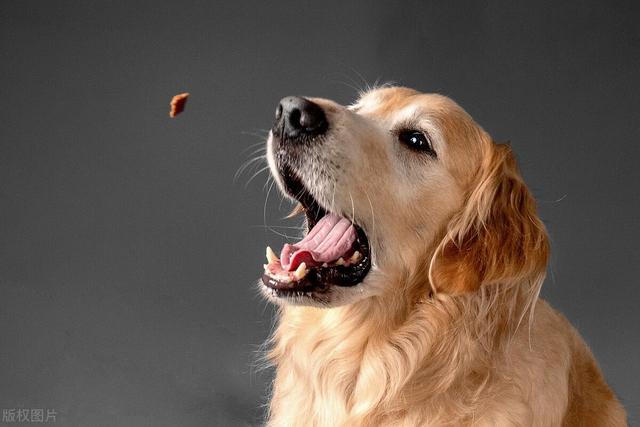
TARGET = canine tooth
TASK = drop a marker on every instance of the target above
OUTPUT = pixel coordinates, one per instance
(340, 261)
(301, 271)
(324, 264)
(265, 266)
(271, 256)
(355, 257)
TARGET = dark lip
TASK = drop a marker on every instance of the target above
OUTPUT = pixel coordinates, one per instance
(296, 189)
(318, 279)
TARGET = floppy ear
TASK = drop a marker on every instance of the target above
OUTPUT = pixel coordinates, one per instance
(497, 237)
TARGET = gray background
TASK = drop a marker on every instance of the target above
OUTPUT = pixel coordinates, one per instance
(128, 253)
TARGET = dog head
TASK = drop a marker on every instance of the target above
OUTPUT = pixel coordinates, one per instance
(399, 186)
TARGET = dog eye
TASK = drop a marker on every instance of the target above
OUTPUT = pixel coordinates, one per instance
(416, 140)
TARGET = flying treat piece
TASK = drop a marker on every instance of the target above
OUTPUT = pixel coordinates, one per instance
(177, 104)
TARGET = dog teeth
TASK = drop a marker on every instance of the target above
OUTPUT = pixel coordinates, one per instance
(271, 256)
(301, 271)
(324, 264)
(340, 261)
(355, 257)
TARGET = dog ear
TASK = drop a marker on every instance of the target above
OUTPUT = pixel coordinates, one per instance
(497, 237)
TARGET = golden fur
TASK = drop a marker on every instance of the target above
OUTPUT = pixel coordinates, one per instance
(449, 330)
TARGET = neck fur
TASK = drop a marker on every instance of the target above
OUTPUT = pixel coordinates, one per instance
(347, 365)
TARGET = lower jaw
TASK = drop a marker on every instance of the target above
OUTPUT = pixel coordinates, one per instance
(318, 297)
(293, 293)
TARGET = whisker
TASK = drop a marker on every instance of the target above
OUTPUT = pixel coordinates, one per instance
(365, 86)
(256, 174)
(333, 197)
(264, 208)
(353, 209)
(553, 201)
(264, 216)
(353, 85)
(269, 178)
(373, 216)
(350, 86)
(254, 145)
(259, 150)
(294, 227)
(246, 165)
(263, 133)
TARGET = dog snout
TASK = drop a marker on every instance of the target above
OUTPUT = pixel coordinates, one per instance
(297, 116)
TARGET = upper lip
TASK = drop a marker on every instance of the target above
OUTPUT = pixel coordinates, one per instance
(295, 188)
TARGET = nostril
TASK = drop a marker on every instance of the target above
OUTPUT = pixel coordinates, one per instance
(307, 120)
(295, 117)
(312, 119)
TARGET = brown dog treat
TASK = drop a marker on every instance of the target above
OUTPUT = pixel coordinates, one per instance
(177, 104)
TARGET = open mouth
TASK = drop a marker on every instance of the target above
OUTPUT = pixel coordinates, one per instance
(334, 251)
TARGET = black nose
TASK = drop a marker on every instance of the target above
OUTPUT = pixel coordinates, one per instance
(296, 116)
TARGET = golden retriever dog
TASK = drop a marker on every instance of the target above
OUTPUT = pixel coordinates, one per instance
(413, 298)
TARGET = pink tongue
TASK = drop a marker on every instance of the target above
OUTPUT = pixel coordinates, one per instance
(330, 239)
